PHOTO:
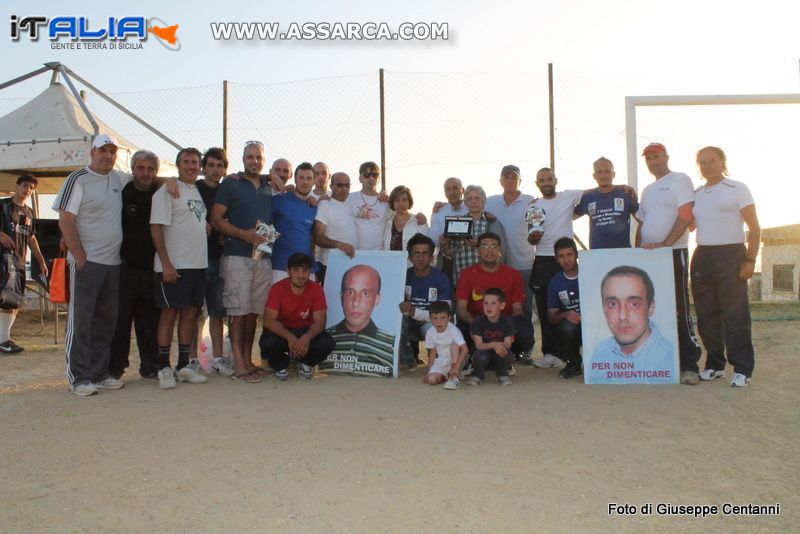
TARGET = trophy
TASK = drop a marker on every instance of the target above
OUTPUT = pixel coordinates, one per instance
(270, 234)
(535, 218)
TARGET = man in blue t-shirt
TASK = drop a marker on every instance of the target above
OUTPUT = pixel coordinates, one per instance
(609, 208)
(242, 200)
(424, 286)
(564, 307)
(294, 221)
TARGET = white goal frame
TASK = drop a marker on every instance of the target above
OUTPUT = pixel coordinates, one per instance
(632, 102)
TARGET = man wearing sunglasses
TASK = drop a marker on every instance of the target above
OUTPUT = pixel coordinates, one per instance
(366, 206)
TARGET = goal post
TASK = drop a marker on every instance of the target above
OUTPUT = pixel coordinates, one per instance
(778, 274)
(632, 102)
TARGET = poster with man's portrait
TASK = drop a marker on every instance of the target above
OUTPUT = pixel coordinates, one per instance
(628, 316)
(364, 318)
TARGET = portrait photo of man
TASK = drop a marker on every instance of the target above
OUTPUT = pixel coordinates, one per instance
(362, 347)
(640, 348)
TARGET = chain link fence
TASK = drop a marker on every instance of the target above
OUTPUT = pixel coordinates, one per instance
(469, 125)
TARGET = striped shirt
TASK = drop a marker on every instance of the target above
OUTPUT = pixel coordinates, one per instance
(96, 201)
(369, 352)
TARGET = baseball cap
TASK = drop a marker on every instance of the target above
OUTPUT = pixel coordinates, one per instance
(654, 147)
(510, 168)
(102, 140)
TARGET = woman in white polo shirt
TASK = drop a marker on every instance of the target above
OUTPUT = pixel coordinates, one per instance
(721, 266)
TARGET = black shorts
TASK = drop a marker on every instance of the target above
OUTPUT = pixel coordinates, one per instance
(188, 290)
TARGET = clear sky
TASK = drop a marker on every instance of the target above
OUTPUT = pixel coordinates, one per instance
(618, 47)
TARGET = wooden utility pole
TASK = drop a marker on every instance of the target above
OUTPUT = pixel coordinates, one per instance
(383, 133)
(225, 115)
(552, 119)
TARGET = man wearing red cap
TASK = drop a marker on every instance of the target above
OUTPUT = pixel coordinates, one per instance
(665, 213)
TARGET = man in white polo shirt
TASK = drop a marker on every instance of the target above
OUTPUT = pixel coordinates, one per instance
(665, 212)
(89, 206)
(510, 208)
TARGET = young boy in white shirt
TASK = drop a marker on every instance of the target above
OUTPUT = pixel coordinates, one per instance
(447, 349)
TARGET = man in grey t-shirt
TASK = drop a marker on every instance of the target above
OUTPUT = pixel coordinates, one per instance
(90, 210)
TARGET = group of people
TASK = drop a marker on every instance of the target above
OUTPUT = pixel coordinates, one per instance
(150, 252)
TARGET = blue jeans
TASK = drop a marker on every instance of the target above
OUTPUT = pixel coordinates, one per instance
(411, 332)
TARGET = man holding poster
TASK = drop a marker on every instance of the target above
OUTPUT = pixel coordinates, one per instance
(636, 351)
(665, 214)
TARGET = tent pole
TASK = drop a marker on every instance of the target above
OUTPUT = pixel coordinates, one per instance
(82, 104)
(24, 77)
(65, 70)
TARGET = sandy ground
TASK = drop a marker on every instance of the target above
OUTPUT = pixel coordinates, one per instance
(338, 454)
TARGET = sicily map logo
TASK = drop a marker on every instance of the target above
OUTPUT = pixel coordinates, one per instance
(71, 32)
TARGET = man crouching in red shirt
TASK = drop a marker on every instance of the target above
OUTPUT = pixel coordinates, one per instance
(294, 322)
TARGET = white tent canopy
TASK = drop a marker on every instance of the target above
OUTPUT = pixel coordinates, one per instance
(51, 136)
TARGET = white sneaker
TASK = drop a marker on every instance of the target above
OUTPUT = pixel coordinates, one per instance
(222, 366)
(474, 381)
(110, 383)
(739, 380)
(282, 375)
(505, 380)
(452, 383)
(84, 390)
(711, 374)
(304, 370)
(512, 371)
(190, 374)
(549, 360)
(166, 378)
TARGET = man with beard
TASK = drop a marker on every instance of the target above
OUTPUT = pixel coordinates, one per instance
(558, 208)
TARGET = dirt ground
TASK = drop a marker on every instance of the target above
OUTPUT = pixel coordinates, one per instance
(339, 454)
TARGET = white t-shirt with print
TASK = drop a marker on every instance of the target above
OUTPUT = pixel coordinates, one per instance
(370, 216)
(184, 221)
